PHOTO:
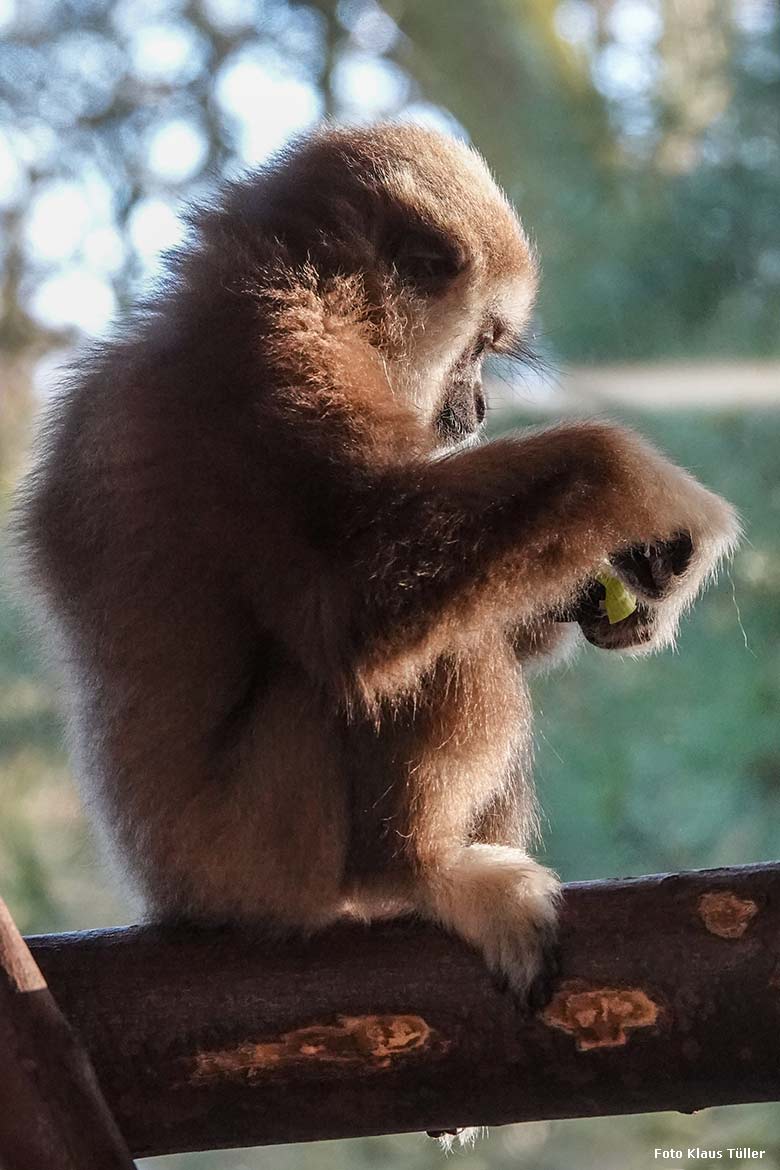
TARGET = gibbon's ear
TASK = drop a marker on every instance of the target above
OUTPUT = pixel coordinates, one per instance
(425, 258)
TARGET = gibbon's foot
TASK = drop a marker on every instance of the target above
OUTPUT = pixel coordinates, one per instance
(657, 574)
(503, 903)
(541, 990)
(463, 1135)
(539, 994)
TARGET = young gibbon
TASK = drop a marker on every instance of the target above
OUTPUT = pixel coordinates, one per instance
(293, 602)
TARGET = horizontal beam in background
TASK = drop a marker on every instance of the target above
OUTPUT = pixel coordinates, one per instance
(668, 998)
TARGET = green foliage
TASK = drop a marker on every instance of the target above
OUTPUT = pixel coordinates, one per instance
(614, 1143)
(647, 165)
(658, 236)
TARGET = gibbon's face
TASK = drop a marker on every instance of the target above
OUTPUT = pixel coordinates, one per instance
(447, 267)
(465, 297)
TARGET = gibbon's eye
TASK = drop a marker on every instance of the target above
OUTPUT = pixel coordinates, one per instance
(489, 338)
(426, 260)
(483, 342)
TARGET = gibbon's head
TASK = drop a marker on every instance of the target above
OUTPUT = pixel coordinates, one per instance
(446, 272)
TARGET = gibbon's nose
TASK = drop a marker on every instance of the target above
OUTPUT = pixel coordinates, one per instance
(479, 404)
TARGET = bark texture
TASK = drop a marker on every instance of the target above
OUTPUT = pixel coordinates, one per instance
(52, 1113)
(668, 998)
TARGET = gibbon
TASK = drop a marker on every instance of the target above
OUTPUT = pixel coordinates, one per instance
(293, 601)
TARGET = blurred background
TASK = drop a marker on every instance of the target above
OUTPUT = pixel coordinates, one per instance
(640, 140)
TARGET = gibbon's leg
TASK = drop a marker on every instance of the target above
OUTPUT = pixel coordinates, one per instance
(255, 831)
(496, 898)
(466, 752)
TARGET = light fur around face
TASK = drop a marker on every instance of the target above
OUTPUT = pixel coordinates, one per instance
(295, 634)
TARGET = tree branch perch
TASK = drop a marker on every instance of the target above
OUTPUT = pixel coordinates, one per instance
(668, 998)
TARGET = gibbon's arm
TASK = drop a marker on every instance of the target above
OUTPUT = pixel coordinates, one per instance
(414, 555)
(429, 553)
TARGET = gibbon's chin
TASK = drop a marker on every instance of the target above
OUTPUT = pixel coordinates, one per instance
(473, 440)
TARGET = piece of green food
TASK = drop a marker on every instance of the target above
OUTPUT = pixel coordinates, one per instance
(619, 602)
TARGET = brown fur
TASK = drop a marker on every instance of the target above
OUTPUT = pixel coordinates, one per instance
(293, 633)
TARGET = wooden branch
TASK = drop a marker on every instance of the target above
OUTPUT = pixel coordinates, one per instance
(669, 998)
(52, 1113)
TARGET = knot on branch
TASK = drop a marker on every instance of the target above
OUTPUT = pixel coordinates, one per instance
(367, 1041)
(600, 1017)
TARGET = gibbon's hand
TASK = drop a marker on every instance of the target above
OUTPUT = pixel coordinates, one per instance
(664, 575)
